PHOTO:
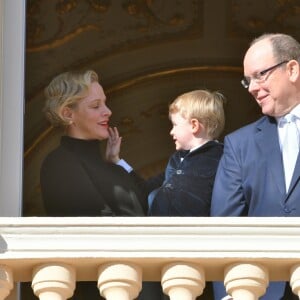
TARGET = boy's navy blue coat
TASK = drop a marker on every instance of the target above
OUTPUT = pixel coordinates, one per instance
(186, 187)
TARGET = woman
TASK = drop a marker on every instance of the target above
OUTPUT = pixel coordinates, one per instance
(75, 179)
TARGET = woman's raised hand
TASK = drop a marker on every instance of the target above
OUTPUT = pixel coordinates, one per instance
(113, 146)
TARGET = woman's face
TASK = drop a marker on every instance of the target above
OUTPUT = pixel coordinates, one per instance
(89, 119)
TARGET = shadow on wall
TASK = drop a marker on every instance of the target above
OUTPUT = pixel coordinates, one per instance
(3, 245)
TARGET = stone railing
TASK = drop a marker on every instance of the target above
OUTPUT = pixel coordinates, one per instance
(119, 253)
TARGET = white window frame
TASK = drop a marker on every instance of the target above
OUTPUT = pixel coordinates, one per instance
(12, 53)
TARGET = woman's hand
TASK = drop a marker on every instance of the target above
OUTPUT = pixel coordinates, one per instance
(113, 145)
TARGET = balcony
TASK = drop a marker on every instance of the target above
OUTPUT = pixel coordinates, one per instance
(118, 253)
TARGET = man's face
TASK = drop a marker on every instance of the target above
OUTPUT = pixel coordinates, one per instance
(270, 89)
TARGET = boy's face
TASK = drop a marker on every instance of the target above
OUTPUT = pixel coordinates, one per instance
(181, 132)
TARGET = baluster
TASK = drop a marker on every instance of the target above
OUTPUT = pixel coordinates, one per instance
(119, 281)
(54, 281)
(246, 281)
(295, 280)
(6, 281)
(183, 281)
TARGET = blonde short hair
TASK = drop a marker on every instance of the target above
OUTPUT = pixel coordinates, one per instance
(205, 106)
(65, 90)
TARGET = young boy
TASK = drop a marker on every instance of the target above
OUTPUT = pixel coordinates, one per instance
(185, 188)
(198, 119)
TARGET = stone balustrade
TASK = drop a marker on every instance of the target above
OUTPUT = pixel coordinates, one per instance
(119, 253)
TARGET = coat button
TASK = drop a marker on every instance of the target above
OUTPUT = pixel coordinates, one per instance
(169, 185)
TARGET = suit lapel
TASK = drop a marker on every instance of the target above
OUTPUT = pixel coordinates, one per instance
(268, 143)
(296, 175)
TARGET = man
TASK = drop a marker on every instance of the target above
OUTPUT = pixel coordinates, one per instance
(253, 175)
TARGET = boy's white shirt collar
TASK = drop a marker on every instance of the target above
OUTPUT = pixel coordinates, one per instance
(198, 146)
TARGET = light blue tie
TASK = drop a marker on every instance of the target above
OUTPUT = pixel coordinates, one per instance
(290, 147)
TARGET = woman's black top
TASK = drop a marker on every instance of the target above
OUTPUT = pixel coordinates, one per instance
(76, 181)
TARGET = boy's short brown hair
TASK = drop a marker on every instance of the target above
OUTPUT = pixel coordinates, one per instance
(205, 106)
